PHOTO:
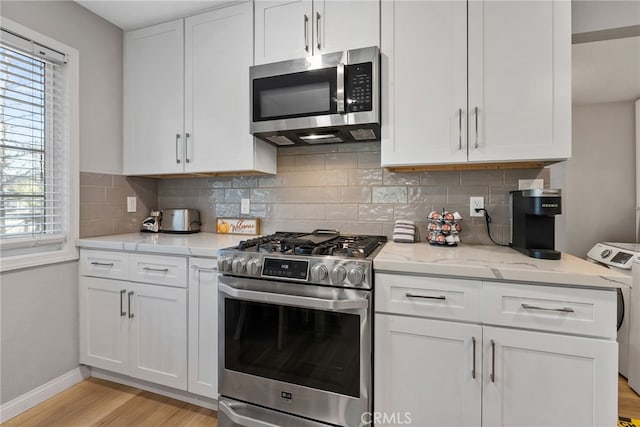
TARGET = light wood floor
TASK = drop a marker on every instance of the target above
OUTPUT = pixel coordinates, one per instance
(628, 400)
(95, 402)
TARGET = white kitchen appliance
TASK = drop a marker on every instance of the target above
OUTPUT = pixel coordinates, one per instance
(620, 256)
(634, 334)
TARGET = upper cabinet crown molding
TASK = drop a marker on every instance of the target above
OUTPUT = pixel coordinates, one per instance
(186, 102)
(290, 29)
(512, 105)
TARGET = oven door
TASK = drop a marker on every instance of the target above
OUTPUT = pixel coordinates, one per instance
(301, 349)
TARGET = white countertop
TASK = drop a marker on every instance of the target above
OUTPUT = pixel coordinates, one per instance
(495, 263)
(197, 244)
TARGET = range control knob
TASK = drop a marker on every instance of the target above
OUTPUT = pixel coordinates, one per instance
(337, 275)
(253, 267)
(319, 272)
(605, 253)
(224, 263)
(239, 265)
(356, 276)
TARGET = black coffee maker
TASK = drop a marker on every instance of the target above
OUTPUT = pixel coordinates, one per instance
(533, 222)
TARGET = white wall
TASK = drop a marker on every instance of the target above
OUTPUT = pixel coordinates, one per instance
(596, 15)
(100, 46)
(39, 307)
(599, 180)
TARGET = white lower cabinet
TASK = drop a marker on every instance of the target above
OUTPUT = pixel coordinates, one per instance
(424, 372)
(135, 329)
(544, 379)
(203, 327)
(434, 370)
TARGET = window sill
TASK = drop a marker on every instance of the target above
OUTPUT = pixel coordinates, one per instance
(38, 259)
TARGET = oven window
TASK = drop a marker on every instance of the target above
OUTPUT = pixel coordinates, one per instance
(308, 93)
(311, 348)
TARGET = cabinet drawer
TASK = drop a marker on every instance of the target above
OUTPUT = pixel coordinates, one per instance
(435, 297)
(559, 309)
(158, 269)
(111, 265)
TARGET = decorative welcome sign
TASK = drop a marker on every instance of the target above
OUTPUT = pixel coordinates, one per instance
(238, 226)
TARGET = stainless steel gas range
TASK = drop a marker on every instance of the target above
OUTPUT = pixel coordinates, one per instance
(295, 336)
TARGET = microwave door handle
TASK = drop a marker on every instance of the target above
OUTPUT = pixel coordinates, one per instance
(340, 89)
(294, 300)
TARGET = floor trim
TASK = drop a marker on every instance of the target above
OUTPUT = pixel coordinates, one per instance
(41, 393)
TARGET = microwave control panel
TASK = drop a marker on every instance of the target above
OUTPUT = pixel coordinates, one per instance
(359, 87)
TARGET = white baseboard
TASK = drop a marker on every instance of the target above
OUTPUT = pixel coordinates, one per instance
(184, 396)
(39, 394)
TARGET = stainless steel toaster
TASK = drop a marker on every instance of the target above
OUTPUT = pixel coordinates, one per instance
(180, 221)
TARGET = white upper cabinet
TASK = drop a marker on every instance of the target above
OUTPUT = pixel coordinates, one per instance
(519, 80)
(294, 29)
(513, 105)
(154, 99)
(187, 97)
(424, 89)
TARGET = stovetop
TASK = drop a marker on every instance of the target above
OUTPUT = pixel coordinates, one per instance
(323, 257)
(319, 242)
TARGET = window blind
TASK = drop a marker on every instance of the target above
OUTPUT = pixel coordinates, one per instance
(34, 149)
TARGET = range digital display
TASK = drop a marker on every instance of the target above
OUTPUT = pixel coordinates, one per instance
(286, 268)
(621, 257)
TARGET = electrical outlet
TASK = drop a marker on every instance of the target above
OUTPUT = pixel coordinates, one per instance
(245, 207)
(131, 204)
(476, 203)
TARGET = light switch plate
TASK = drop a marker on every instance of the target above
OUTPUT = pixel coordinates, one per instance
(245, 207)
(131, 204)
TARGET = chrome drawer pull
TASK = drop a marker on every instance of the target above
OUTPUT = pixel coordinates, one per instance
(162, 270)
(441, 297)
(130, 294)
(122, 312)
(473, 371)
(103, 264)
(561, 310)
(493, 362)
(198, 268)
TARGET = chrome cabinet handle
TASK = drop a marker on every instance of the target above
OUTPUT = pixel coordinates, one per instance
(306, 32)
(103, 264)
(459, 128)
(122, 312)
(473, 369)
(177, 143)
(493, 361)
(410, 295)
(198, 268)
(129, 301)
(561, 310)
(162, 270)
(318, 29)
(186, 147)
(340, 88)
(475, 114)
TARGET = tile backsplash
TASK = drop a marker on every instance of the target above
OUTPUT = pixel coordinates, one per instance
(343, 187)
(103, 203)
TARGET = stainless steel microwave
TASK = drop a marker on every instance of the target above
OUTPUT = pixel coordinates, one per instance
(327, 98)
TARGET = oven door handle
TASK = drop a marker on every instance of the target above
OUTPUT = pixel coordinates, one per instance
(240, 419)
(294, 300)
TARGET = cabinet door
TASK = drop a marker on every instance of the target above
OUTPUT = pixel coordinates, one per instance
(203, 327)
(218, 54)
(543, 379)
(342, 25)
(282, 30)
(104, 326)
(153, 99)
(159, 335)
(519, 80)
(424, 370)
(424, 90)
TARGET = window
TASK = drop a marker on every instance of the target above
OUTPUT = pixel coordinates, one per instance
(38, 148)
